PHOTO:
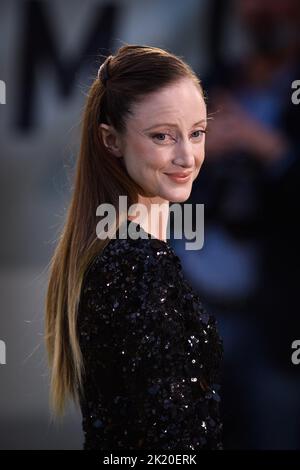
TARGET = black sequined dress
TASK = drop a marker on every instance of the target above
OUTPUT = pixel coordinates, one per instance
(152, 354)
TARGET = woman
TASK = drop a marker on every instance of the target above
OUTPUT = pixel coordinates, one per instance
(127, 338)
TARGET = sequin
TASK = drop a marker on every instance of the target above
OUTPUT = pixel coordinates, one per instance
(152, 354)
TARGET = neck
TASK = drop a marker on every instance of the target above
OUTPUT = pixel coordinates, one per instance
(153, 218)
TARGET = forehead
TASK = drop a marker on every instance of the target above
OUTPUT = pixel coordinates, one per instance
(181, 102)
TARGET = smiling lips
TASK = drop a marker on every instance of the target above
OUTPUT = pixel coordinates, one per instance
(179, 177)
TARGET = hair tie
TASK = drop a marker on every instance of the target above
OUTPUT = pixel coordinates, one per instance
(103, 73)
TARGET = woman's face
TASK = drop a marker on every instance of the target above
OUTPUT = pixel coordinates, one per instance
(165, 135)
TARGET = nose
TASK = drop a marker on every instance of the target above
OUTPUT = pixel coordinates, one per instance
(183, 154)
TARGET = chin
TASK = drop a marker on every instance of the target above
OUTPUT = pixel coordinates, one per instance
(182, 199)
(178, 196)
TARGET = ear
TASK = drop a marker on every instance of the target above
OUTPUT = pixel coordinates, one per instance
(111, 139)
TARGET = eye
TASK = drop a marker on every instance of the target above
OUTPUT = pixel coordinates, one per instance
(160, 134)
(202, 132)
(162, 137)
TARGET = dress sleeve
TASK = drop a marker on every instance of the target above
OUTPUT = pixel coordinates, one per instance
(150, 371)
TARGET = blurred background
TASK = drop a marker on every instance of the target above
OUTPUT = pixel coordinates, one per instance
(246, 52)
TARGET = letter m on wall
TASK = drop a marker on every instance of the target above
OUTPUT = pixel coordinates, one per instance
(39, 47)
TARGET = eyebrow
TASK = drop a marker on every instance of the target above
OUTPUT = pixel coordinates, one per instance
(170, 124)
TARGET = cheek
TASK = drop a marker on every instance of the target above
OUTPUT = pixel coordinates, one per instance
(199, 159)
(141, 161)
(148, 158)
(200, 155)
(144, 158)
(135, 155)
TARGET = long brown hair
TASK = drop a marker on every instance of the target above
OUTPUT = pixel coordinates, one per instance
(134, 72)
